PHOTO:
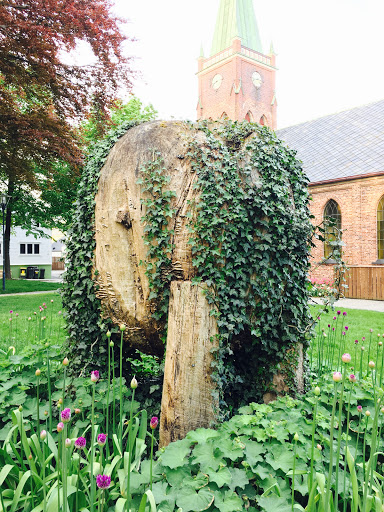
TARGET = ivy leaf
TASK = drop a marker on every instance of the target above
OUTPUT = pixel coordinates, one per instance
(228, 501)
(191, 501)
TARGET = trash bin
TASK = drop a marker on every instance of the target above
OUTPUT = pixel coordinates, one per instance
(30, 272)
(42, 273)
(35, 273)
(23, 272)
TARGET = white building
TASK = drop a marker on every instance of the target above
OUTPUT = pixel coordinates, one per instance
(27, 251)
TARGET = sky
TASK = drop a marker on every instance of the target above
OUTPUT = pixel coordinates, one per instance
(329, 53)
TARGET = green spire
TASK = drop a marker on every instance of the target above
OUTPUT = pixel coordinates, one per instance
(236, 18)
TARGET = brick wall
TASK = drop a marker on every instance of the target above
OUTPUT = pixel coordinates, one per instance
(358, 200)
(237, 95)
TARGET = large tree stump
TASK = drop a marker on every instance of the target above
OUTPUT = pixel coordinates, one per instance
(187, 401)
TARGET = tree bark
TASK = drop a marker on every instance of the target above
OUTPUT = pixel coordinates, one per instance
(187, 401)
(7, 237)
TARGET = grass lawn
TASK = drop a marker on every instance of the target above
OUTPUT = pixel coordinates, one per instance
(359, 323)
(26, 325)
(30, 285)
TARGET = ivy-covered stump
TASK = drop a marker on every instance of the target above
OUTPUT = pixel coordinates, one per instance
(223, 206)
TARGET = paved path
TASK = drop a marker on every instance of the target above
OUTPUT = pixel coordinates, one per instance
(370, 305)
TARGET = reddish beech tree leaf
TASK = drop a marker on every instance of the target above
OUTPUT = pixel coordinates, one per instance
(43, 98)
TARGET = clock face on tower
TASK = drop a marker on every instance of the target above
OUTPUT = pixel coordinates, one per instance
(256, 79)
(216, 81)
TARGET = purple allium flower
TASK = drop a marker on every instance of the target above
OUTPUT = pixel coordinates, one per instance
(103, 481)
(359, 408)
(154, 422)
(334, 318)
(339, 312)
(60, 426)
(80, 443)
(329, 325)
(343, 333)
(346, 327)
(333, 328)
(95, 376)
(66, 415)
(346, 358)
(352, 378)
(11, 312)
(344, 313)
(356, 342)
(101, 439)
(363, 338)
(337, 376)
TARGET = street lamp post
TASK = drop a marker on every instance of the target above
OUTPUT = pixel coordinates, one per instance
(4, 198)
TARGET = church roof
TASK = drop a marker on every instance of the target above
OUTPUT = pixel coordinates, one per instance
(342, 145)
(236, 18)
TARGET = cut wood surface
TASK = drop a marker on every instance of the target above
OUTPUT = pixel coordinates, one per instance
(187, 401)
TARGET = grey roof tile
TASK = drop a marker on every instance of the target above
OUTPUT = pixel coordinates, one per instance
(341, 145)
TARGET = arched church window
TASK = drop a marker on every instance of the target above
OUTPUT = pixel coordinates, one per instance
(224, 115)
(249, 117)
(380, 229)
(263, 121)
(332, 220)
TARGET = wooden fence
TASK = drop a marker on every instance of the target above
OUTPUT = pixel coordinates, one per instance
(365, 282)
(57, 264)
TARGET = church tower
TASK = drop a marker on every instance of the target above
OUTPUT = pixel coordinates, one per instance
(237, 80)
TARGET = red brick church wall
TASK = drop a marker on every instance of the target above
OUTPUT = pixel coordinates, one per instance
(358, 200)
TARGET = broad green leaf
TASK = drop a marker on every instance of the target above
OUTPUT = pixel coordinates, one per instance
(274, 504)
(220, 477)
(239, 478)
(191, 501)
(201, 435)
(204, 454)
(176, 453)
(228, 501)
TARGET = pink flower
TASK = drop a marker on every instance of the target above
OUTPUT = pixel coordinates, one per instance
(11, 312)
(352, 378)
(371, 364)
(356, 342)
(60, 426)
(344, 313)
(359, 408)
(339, 312)
(66, 415)
(43, 435)
(334, 318)
(68, 442)
(103, 481)
(95, 376)
(154, 422)
(346, 358)
(80, 443)
(101, 439)
(346, 327)
(337, 376)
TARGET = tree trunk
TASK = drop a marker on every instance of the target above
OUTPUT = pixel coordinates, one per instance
(187, 401)
(7, 237)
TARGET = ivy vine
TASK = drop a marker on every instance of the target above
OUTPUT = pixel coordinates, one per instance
(250, 245)
(85, 326)
(157, 235)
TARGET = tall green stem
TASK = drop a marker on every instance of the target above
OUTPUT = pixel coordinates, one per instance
(339, 439)
(130, 448)
(92, 449)
(330, 471)
(64, 457)
(121, 392)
